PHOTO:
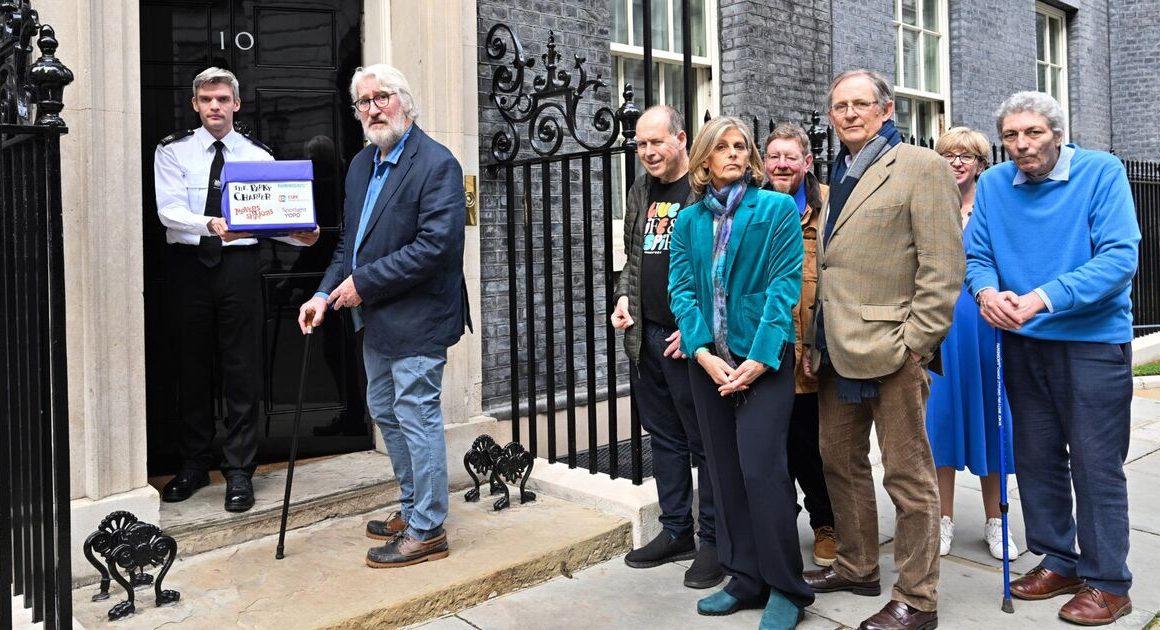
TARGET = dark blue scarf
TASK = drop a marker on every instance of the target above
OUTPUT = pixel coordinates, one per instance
(843, 179)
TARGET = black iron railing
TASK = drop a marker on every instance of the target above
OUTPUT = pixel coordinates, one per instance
(557, 211)
(34, 471)
(1144, 178)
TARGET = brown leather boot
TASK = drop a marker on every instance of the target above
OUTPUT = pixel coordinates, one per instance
(825, 546)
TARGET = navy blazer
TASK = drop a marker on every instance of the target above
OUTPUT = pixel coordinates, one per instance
(410, 272)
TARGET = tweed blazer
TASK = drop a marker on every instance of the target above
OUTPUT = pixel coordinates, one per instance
(890, 274)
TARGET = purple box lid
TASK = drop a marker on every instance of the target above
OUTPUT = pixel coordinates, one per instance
(268, 198)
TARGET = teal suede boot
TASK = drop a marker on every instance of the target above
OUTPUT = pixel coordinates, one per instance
(780, 613)
(717, 604)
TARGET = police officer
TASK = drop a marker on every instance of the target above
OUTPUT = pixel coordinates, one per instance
(215, 291)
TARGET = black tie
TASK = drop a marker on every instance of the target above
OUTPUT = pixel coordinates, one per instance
(209, 249)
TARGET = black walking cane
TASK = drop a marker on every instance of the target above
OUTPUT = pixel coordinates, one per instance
(1006, 607)
(294, 439)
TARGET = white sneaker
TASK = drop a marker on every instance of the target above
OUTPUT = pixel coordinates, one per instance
(946, 535)
(993, 535)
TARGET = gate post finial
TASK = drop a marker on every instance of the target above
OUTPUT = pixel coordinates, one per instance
(628, 114)
(48, 77)
(817, 134)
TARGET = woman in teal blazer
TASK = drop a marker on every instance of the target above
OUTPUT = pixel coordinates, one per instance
(734, 277)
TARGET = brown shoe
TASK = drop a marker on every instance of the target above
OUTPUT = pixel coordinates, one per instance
(828, 581)
(1093, 607)
(1042, 583)
(406, 550)
(896, 615)
(388, 529)
(825, 546)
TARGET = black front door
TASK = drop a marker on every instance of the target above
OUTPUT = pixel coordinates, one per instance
(294, 60)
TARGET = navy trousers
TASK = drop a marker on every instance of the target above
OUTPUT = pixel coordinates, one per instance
(664, 403)
(805, 460)
(745, 439)
(1071, 403)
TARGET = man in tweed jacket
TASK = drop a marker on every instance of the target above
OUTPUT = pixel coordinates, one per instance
(890, 267)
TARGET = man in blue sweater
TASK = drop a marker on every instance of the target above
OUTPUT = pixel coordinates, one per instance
(1051, 252)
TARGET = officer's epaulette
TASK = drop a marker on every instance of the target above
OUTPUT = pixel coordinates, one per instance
(258, 143)
(175, 136)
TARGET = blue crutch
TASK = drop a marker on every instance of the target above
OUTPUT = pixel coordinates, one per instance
(1007, 607)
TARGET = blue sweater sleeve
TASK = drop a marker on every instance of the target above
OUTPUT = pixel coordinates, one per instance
(1115, 240)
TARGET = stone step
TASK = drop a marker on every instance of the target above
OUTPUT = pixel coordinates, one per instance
(323, 489)
(323, 582)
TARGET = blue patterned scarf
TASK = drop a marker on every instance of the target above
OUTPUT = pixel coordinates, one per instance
(722, 203)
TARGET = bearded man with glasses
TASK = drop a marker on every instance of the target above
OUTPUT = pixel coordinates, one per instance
(399, 268)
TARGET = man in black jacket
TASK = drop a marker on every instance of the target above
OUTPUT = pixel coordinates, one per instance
(660, 373)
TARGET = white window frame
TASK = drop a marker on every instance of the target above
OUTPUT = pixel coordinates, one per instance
(944, 66)
(708, 93)
(1052, 13)
(707, 96)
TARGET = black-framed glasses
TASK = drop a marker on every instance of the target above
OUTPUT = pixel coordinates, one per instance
(380, 100)
(966, 159)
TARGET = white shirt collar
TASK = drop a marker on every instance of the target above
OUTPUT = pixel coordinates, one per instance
(206, 139)
(1060, 173)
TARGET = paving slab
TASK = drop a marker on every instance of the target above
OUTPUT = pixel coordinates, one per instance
(324, 582)
(1143, 499)
(612, 595)
(446, 623)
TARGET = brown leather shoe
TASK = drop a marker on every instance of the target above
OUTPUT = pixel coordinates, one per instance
(388, 529)
(828, 581)
(1093, 607)
(825, 546)
(896, 615)
(1042, 583)
(405, 551)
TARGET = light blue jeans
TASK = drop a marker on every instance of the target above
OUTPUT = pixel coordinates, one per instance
(403, 398)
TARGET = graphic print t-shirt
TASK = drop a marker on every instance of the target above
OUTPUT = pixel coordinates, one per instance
(665, 202)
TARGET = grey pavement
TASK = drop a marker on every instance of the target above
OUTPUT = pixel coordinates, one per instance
(611, 595)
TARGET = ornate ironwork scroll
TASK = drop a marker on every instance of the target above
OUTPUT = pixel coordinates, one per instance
(23, 86)
(131, 546)
(550, 107)
(109, 535)
(515, 464)
(510, 464)
(480, 461)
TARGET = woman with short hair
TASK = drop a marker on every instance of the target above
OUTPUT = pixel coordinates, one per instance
(962, 412)
(734, 277)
